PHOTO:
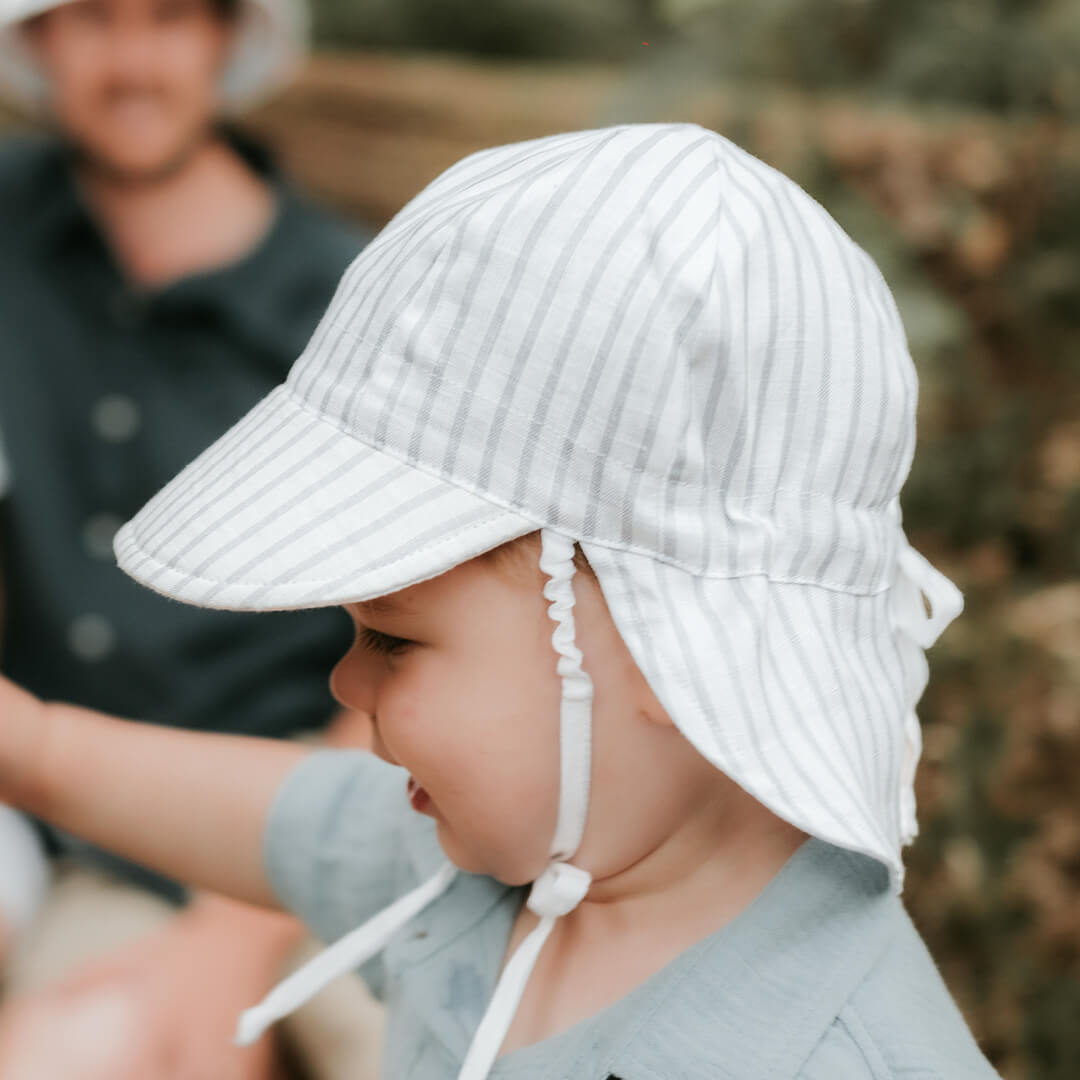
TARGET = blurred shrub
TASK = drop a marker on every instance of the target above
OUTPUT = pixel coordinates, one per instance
(998, 54)
(515, 28)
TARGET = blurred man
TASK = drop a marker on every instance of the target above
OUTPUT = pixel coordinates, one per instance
(157, 277)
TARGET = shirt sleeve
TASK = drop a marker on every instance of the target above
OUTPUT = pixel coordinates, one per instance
(334, 849)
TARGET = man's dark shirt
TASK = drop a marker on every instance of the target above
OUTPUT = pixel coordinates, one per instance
(106, 392)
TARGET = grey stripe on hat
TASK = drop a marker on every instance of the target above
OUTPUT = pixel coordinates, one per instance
(782, 732)
(411, 351)
(447, 213)
(214, 463)
(315, 363)
(370, 264)
(808, 482)
(664, 366)
(543, 304)
(309, 527)
(166, 529)
(746, 708)
(614, 325)
(258, 495)
(725, 455)
(374, 349)
(601, 266)
(510, 293)
(776, 677)
(866, 755)
(676, 472)
(476, 279)
(380, 523)
(441, 532)
(854, 758)
(881, 349)
(206, 524)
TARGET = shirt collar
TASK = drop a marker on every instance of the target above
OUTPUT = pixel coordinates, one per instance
(764, 988)
(249, 295)
(770, 983)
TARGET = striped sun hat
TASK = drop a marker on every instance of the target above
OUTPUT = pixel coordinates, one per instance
(646, 341)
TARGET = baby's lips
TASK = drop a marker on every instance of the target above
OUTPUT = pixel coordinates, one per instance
(419, 799)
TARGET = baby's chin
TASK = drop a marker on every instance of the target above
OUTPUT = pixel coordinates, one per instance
(507, 869)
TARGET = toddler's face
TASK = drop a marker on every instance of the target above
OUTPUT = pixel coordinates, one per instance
(459, 676)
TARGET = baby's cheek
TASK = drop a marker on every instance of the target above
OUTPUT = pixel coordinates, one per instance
(419, 723)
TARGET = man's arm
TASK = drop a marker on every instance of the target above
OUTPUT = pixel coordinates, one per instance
(190, 805)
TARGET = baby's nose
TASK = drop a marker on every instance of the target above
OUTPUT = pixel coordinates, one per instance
(351, 681)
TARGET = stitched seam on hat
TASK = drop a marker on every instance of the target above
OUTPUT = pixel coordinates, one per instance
(158, 564)
(187, 575)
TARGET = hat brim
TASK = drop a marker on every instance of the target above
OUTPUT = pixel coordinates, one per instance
(286, 511)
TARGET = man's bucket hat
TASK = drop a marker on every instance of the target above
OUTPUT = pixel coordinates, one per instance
(270, 42)
(645, 341)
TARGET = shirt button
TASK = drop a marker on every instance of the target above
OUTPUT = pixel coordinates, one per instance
(115, 418)
(97, 535)
(91, 638)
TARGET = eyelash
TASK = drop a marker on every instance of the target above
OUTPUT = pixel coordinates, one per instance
(382, 644)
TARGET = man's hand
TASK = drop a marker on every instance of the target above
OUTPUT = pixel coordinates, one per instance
(164, 1008)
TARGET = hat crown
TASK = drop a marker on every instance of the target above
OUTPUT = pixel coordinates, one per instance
(641, 336)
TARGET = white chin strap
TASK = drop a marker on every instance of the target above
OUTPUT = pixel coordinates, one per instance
(558, 890)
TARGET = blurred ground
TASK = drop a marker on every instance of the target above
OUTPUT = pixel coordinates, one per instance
(944, 137)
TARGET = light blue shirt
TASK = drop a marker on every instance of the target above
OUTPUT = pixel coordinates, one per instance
(822, 977)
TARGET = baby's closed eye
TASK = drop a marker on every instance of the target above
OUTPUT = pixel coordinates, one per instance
(375, 641)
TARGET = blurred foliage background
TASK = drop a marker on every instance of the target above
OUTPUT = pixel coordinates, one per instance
(943, 135)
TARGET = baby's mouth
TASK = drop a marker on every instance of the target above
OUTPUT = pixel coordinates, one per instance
(419, 799)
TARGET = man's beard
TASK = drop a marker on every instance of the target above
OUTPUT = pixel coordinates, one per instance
(102, 169)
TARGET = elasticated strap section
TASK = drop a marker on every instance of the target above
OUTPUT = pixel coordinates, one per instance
(557, 562)
(561, 887)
